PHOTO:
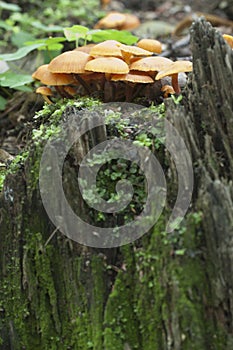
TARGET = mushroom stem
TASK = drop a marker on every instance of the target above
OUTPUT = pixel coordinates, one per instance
(137, 90)
(128, 93)
(175, 83)
(83, 83)
(60, 91)
(108, 91)
(47, 99)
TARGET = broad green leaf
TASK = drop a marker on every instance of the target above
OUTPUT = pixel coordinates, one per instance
(12, 80)
(75, 32)
(3, 102)
(9, 7)
(20, 53)
(123, 36)
(19, 39)
(23, 88)
(39, 25)
(55, 47)
(48, 43)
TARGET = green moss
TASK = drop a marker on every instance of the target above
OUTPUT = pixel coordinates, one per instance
(120, 322)
(3, 172)
(97, 301)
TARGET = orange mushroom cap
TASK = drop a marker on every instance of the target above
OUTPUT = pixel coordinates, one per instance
(167, 90)
(228, 39)
(46, 77)
(131, 22)
(134, 50)
(107, 65)
(106, 48)
(45, 91)
(154, 64)
(129, 51)
(86, 48)
(175, 68)
(111, 20)
(133, 77)
(69, 62)
(150, 45)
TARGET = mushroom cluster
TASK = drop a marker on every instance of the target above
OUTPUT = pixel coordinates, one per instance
(109, 70)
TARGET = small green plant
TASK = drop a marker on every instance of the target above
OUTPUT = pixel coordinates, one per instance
(44, 133)
(2, 175)
(143, 140)
(177, 99)
(77, 33)
(17, 162)
(12, 167)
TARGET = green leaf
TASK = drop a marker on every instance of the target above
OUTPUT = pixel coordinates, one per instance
(9, 7)
(39, 25)
(48, 43)
(3, 102)
(24, 88)
(19, 39)
(180, 251)
(123, 36)
(55, 47)
(12, 80)
(20, 53)
(75, 32)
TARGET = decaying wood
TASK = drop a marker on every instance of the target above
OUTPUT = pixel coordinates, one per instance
(206, 124)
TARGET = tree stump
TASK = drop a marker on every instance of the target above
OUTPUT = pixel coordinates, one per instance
(168, 290)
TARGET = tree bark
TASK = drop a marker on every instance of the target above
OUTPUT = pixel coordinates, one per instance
(166, 290)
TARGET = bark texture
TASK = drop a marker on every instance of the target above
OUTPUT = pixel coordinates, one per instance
(165, 291)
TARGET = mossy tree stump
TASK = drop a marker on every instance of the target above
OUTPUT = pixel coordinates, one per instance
(166, 291)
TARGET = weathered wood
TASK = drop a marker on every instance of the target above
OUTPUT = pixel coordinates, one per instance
(206, 123)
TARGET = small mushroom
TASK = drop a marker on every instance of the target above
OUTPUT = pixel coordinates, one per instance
(106, 48)
(108, 66)
(167, 90)
(228, 39)
(113, 20)
(152, 65)
(173, 70)
(133, 77)
(46, 77)
(58, 80)
(150, 45)
(129, 51)
(45, 91)
(131, 22)
(71, 62)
